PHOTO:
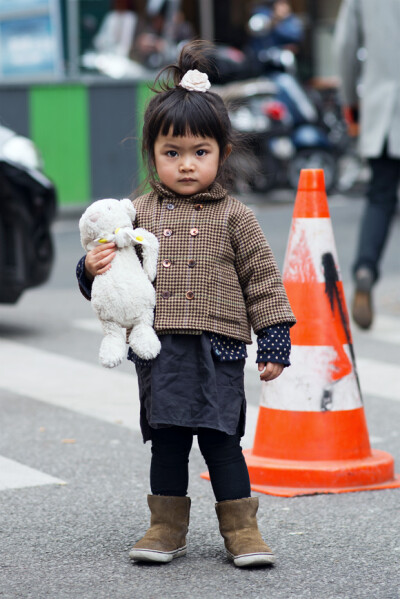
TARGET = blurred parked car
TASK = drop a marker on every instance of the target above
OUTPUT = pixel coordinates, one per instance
(27, 209)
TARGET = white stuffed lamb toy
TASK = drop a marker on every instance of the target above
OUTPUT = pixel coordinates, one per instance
(123, 297)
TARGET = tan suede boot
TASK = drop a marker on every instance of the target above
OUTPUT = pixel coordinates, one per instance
(166, 537)
(238, 526)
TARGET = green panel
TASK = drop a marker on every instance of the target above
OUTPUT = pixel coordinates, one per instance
(60, 128)
(143, 95)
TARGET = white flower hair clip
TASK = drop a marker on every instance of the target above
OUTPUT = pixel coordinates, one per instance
(195, 81)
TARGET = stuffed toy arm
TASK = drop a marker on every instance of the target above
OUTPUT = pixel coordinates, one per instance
(149, 243)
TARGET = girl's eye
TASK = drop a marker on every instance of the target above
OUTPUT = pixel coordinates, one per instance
(172, 153)
(201, 152)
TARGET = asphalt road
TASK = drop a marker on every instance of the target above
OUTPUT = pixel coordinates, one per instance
(74, 470)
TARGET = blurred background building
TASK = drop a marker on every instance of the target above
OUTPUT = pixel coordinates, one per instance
(223, 21)
(83, 112)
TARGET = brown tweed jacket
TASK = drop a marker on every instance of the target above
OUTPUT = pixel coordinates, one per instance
(216, 271)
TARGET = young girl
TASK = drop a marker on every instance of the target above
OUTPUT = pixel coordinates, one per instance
(216, 277)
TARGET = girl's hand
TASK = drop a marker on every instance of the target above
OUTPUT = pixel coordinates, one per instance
(269, 370)
(98, 261)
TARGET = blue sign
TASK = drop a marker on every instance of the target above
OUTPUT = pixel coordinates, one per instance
(30, 38)
(17, 6)
(27, 46)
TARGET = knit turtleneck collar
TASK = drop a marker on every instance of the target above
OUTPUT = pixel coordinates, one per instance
(214, 192)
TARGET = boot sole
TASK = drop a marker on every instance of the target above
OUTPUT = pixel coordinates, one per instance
(161, 557)
(252, 559)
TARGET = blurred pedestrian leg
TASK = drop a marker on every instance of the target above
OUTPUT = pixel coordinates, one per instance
(361, 25)
(375, 227)
(379, 212)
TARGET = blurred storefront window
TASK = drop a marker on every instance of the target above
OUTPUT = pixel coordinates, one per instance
(47, 38)
(30, 39)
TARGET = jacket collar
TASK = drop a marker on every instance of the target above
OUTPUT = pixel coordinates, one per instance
(214, 192)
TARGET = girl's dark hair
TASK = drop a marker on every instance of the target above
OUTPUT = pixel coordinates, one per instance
(202, 114)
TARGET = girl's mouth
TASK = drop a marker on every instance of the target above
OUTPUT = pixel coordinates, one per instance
(186, 180)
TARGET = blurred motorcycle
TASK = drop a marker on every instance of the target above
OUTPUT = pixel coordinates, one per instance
(314, 142)
(27, 209)
(271, 105)
(288, 130)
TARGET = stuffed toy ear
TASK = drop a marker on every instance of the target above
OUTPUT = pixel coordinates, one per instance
(129, 207)
(87, 230)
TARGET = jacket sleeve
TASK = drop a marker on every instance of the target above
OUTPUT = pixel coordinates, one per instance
(265, 296)
(347, 41)
(85, 285)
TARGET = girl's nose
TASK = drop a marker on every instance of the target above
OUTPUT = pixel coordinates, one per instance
(186, 165)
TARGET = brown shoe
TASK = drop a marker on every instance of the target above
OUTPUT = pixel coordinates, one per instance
(166, 537)
(362, 311)
(238, 526)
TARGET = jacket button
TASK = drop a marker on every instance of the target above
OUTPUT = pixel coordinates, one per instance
(191, 263)
(198, 206)
(167, 232)
(166, 263)
(165, 294)
(190, 295)
(194, 232)
(170, 206)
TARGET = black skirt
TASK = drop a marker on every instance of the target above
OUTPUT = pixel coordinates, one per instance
(186, 385)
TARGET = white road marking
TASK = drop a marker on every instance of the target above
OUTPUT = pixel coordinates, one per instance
(14, 475)
(252, 354)
(379, 378)
(67, 226)
(371, 372)
(251, 424)
(94, 391)
(113, 396)
(62, 381)
(384, 328)
(88, 324)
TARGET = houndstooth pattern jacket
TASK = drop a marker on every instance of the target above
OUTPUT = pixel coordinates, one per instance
(216, 271)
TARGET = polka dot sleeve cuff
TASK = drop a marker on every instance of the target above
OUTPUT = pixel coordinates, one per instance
(274, 344)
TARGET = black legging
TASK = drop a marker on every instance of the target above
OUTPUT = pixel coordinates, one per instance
(223, 455)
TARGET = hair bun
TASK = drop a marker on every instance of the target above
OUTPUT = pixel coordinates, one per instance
(195, 55)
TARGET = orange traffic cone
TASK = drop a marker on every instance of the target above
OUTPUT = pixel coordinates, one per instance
(311, 434)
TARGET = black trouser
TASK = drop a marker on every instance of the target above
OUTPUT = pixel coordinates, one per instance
(379, 211)
(169, 473)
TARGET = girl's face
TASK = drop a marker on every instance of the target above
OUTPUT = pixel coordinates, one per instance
(188, 164)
